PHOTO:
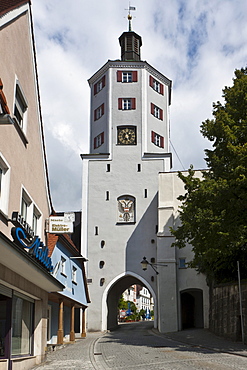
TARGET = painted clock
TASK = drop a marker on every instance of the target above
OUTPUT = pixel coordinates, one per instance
(126, 135)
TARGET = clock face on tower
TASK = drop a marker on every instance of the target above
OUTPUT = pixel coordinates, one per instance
(126, 135)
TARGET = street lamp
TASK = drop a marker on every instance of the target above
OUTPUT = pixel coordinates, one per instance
(145, 264)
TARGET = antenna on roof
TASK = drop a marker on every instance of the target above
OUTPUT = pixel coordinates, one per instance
(131, 8)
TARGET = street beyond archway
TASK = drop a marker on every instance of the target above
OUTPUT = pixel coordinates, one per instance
(136, 346)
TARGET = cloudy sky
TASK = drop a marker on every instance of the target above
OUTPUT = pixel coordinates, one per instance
(196, 43)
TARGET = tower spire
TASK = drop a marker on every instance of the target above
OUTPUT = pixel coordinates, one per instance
(130, 42)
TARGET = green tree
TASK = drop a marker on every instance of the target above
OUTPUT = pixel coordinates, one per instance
(214, 208)
(122, 304)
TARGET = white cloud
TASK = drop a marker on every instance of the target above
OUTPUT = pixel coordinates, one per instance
(196, 43)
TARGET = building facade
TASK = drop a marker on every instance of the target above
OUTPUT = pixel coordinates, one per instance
(122, 208)
(25, 267)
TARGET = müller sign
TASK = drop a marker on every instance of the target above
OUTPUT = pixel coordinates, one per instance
(24, 236)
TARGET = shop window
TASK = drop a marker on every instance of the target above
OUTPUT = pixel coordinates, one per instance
(22, 325)
(4, 185)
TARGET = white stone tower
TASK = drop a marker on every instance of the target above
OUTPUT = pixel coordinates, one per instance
(129, 146)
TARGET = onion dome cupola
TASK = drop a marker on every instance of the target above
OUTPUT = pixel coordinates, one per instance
(130, 44)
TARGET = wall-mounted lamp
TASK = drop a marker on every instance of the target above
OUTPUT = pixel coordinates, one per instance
(145, 264)
(6, 119)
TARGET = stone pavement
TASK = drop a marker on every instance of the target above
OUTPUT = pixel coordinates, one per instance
(205, 339)
(83, 353)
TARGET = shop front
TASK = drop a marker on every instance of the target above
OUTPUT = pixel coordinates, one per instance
(24, 288)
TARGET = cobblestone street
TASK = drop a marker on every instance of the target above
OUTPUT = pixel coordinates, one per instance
(137, 345)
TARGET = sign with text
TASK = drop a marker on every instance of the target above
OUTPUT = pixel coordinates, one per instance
(60, 225)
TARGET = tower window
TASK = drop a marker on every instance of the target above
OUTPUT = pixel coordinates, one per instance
(157, 139)
(182, 263)
(145, 193)
(99, 140)
(126, 76)
(157, 112)
(99, 85)
(107, 195)
(96, 230)
(98, 113)
(108, 167)
(126, 103)
(139, 167)
(156, 85)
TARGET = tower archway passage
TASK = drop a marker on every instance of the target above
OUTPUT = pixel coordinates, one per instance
(112, 294)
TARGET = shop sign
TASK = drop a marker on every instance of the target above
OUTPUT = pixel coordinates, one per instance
(60, 225)
(22, 235)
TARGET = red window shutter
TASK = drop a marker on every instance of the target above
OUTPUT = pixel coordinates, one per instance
(120, 103)
(95, 117)
(133, 103)
(152, 108)
(151, 81)
(103, 81)
(102, 137)
(95, 89)
(103, 108)
(161, 89)
(161, 114)
(161, 142)
(94, 143)
(152, 136)
(119, 76)
(134, 76)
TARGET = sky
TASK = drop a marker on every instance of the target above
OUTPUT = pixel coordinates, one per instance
(195, 43)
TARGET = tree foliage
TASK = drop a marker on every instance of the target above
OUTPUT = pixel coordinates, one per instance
(214, 208)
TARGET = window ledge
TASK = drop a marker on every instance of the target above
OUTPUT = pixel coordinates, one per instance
(20, 132)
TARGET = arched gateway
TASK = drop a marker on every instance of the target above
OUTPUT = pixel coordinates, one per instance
(112, 294)
(129, 194)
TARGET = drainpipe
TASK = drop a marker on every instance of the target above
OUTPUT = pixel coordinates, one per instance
(240, 303)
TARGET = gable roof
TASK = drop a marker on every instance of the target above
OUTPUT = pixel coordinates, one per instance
(8, 5)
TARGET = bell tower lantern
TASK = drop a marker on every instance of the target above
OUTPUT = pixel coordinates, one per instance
(130, 44)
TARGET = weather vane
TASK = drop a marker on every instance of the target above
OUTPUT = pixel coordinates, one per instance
(131, 8)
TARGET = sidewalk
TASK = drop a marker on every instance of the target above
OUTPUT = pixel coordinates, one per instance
(203, 338)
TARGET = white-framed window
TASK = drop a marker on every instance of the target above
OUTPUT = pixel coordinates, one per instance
(63, 266)
(157, 139)
(26, 202)
(156, 112)
(4, 184)
(36, 218)
(98, 113)
(30, 212)
(126, 103)
(156, 85)
(74, 271)
(99, 140)
(127, 76)
(98, 86)
(20, 106)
